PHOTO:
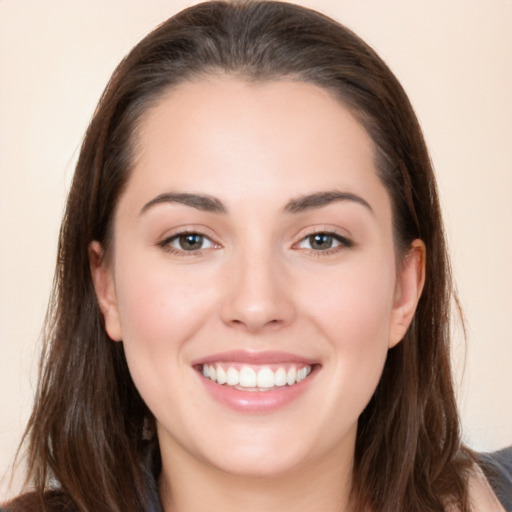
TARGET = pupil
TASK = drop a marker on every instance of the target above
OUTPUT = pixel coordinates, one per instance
(321, 241)
(191, 242)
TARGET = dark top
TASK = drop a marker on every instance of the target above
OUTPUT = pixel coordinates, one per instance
(497, 468)
(498, 471)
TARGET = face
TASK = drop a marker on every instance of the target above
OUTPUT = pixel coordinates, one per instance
(253, 280)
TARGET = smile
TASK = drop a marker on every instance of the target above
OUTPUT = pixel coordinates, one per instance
(256, 378)
(256, 382)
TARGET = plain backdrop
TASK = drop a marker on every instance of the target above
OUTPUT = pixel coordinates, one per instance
(454, 58)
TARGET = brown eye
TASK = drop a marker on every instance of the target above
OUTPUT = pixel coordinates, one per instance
(190, 241)
(323, 241)
(187, 242)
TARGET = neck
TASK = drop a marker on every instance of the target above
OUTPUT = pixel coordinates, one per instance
(188, 485)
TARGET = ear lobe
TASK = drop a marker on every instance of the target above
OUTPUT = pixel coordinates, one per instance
(103, 281)
(409, 285)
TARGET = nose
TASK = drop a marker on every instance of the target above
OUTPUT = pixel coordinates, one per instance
(257, 294)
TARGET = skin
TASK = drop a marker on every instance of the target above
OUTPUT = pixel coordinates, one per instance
(257, 284)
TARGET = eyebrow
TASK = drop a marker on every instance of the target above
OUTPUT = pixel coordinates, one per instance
(300, 204)
(321, 199)
(198, 201)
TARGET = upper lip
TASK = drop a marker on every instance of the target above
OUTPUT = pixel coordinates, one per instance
(255, 358)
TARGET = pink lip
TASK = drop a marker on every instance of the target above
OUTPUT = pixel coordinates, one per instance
(255, 358)
(254, 402)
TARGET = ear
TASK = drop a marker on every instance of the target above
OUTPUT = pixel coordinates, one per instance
(409, 285)
(103, 280)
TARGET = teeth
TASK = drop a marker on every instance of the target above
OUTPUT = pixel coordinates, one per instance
(266, 378)
(291, 376)
(221, 375)
(247, 377)
(280, 377)
(233, 377)
(252, 380)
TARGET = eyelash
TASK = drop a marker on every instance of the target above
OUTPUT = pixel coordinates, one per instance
(342, 242)
(166, 243)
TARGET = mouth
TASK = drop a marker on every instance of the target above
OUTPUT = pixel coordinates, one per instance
(256, 382)
(255, 377)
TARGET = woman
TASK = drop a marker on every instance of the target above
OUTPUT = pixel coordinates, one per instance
(251, 302)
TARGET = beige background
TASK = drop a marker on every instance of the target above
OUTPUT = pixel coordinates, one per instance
(454, 57)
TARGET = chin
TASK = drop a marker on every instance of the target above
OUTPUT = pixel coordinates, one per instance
(261, 452)
(260, 464)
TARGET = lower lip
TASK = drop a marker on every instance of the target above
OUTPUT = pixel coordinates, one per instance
(257, 401)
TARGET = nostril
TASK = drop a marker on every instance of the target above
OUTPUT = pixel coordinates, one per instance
(251, 324)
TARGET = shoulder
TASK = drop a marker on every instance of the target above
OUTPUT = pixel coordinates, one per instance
(496, 473)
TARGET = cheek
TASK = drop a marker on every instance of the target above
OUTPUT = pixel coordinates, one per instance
(160, 312)
(353, 310)
(354, 304)
(156, 304)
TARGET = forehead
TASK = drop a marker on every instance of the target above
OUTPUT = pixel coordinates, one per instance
(224, 136)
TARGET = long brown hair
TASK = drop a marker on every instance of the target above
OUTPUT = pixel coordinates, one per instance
(89, 425)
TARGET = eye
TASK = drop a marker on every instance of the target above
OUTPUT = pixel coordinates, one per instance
(187, 242)
(323, 241)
